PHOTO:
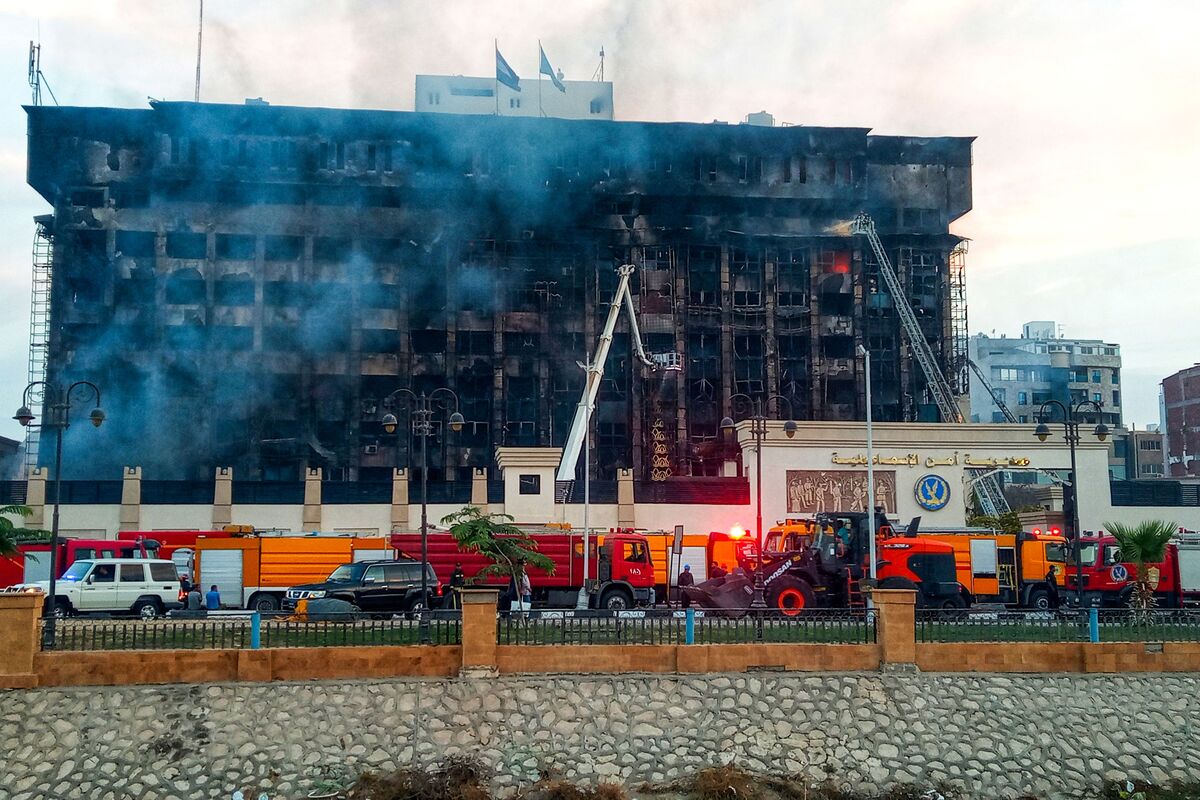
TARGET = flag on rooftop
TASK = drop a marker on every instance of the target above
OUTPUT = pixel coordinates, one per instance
(546, 69)
(505, 73)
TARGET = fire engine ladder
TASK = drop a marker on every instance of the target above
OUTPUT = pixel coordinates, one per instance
(39, 334)
(987, 490)
(595, 370)
(1008, 415)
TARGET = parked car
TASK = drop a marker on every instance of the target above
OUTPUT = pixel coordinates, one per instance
(373, 587)
(147, 587)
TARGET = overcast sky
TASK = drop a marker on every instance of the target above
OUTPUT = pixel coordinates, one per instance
(1087, 115)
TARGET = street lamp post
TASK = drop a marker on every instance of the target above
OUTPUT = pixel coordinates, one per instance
(58, 407)
(758, 430)
(1071, 423)
(421, 408)
(870, 509)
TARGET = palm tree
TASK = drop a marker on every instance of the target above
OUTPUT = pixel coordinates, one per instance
(495, 538)
(8, 531)
(1143, 544)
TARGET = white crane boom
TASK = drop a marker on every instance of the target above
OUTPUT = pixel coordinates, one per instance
(623, 298)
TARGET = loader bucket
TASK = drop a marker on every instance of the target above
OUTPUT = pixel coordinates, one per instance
(731, 594)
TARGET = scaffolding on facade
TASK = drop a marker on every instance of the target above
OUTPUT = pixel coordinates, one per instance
(959, 361)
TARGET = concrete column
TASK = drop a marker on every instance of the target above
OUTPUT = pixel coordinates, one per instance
(312, 499)
(19, 615)
(35, 498)
(131, 500)
(625, 499)
(897, 624)
(399, 500)
(222, 510)
(479, 494)
(479, 632)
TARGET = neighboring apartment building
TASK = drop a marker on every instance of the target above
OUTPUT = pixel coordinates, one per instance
(460, 94)
(1136, 454)
(1040, 365)
(1180, 409)
(248, 284)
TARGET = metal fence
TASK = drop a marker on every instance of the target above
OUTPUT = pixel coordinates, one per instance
(1001, 626)
(252, 631)
(666, 626)
(1090, 625)
(1167, 625)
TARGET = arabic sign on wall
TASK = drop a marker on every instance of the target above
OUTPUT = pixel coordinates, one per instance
(914, 460)
(812, 490)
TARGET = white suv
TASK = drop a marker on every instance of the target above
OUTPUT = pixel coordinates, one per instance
(143, 586)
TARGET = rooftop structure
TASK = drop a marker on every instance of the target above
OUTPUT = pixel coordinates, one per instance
(461, 94)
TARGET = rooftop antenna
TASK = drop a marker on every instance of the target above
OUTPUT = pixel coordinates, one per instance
(36, 76)
(598, 75)
(199, 45)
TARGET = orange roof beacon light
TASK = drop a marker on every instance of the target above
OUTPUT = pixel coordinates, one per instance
(737, 532)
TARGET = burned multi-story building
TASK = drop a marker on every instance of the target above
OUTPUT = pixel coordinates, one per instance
(248, 284)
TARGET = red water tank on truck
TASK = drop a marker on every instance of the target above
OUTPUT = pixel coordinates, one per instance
(32, 561)
(620, 571)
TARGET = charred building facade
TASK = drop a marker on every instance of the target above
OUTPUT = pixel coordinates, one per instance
(248, 284)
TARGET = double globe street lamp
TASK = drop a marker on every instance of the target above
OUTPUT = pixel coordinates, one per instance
(421, 408)
(758, 431)
(1071, 426)
(57, 405)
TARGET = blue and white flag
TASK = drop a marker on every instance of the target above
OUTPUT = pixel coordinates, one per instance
(505, 73)
(546, 69)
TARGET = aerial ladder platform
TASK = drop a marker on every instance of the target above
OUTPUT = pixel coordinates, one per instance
(987, 488)
(622, 299)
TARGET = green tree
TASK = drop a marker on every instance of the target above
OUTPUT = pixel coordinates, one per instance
(1142, 544)
(1008, 522)
(9, 533)
(495, 538)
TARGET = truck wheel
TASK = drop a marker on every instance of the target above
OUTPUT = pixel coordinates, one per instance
(616, 600)
(791, 596)
(264, 602)
(148, 608)
(951, 603)
(63, 609)
(1039, 600)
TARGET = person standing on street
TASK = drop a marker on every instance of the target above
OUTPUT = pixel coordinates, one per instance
(212, 600)
(458, 580)
(686, 578)
(526, 589)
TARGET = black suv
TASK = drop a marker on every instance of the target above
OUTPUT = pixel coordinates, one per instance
(371, 586)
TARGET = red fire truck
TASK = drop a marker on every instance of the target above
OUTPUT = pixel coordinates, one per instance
(620, 569)
(1108, 581)
(32, 562)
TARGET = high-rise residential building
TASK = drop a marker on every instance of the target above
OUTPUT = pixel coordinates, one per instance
(1180, 409)
(249, 284)
(1041, 365)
